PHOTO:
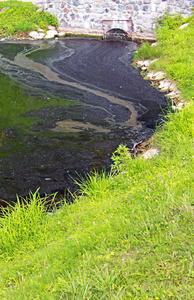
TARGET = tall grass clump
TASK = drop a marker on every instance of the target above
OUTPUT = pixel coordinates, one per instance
(26, 220)
(148, 52)
(20, 17)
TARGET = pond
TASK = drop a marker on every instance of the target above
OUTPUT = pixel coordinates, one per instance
(65, 106)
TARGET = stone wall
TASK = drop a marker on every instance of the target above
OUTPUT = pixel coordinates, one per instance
(92, 16)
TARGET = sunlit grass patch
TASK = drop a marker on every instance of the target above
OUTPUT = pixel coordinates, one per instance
(23, 17)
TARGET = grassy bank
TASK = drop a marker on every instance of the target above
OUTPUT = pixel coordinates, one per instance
(17, 18)
(130, 236)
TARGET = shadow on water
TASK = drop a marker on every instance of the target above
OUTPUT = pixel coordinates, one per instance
(65, 106)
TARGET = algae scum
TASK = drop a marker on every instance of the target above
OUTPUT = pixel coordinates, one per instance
(65, 106)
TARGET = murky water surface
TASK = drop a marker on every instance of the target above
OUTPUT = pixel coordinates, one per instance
(65, 106)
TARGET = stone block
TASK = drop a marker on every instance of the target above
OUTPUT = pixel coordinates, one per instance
(180, 3)
(171, 1)
(132, 2)
(64, 22)
(145, 7)
(153, 7)
(147, 1)
(56, 5)
(188, 4)
(129, 6)
(127, 16)
(162, 7)
(62, 4)
(75, 2)
(136, 7)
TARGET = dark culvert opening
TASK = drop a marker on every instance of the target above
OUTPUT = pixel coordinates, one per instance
(116, 34)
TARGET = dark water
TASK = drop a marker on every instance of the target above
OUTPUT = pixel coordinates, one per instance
(65, 106)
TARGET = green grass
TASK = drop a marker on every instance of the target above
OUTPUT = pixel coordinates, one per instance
(175, 52)
(128, 236)
(21, 17)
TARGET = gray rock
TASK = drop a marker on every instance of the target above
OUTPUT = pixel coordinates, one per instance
(51, 34)
(36, 35)
(151, 153)
(50, 27)
(164, 85)
(184, 25)
(156, 75)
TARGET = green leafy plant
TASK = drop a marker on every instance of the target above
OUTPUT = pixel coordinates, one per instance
(172, 22)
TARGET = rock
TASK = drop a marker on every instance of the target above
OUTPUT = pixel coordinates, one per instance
(154, 60)
(3, 9)
(179, 106)
(36, 35)
(173, 94)
(40, 30)
(173, 87)
(147, 62)
(154, 44)
(184, 25)
(61, 33)
(151, 153)
(140, 63)
(144, 63)
(50, 34)
(164, 85)
(156, 75)
(50, 27)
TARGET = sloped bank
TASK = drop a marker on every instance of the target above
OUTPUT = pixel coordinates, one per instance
(164, 80)
(129, 237)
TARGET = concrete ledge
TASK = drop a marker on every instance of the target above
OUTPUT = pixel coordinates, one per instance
(62, 31)
(134, 36)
